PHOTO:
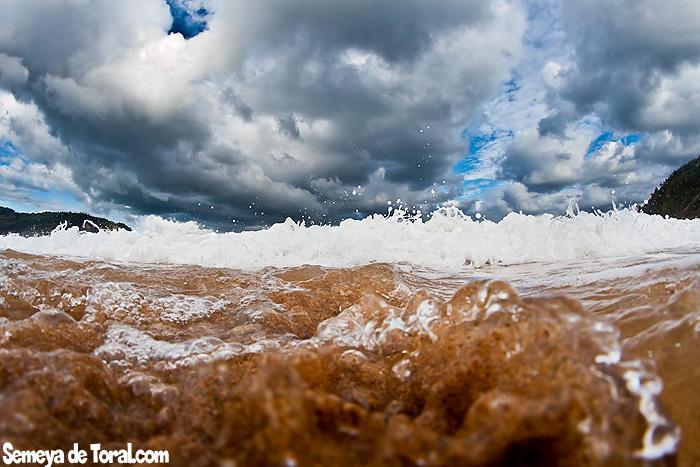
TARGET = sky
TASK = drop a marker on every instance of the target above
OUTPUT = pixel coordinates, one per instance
(240, 114)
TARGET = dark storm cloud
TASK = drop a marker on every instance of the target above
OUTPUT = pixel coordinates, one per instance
(241, 108)
(275, 108)
(541, 171)
(554, 125)
(288, 126)
(632, 64)
(395, 29)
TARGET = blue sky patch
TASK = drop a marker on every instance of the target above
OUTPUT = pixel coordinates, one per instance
(45, 200)
(481, 146)
(188, 19)
(630, 139)
(467, 165)
(7, 151)
(477, 143)
(607, 137)
(602, 139)
(475, 188)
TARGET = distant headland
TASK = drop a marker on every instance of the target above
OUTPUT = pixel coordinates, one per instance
(42, 223)
(679, 195)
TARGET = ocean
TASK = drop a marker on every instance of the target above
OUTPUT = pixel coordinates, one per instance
(391, 340)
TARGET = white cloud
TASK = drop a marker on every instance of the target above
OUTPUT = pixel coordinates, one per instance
(169, 122)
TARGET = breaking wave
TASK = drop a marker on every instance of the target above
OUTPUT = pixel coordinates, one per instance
(448, 239)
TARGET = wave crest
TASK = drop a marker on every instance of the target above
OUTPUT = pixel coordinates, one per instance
(448, 239)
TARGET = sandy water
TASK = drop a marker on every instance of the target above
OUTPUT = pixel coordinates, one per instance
(578, 362)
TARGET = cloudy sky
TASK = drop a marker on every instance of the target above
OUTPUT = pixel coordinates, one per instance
(242, 113)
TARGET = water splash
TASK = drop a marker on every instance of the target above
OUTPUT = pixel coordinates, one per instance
(448, 239)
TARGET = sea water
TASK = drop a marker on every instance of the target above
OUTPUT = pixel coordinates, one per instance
(390, 340)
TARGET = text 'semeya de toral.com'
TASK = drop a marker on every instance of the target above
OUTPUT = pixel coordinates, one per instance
(76, 455)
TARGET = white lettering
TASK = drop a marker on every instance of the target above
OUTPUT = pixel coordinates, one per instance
(78, 456)
(41, 457)
(7, 453)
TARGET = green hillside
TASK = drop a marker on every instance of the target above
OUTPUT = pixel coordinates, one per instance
(679, 195)
(42, 223)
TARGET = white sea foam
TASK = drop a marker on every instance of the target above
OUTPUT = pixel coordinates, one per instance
(128, 347)
(447, 240)
(124, 301)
